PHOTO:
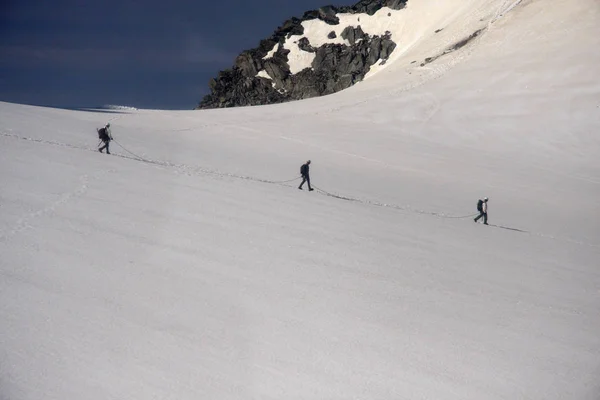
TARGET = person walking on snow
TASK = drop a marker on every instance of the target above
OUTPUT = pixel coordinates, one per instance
(305, 176)
(106, 137)
(482, 208)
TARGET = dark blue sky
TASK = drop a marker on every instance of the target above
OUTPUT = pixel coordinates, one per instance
(146, 54)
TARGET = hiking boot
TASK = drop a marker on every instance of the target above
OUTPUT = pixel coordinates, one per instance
(299, 188)
(311, 189)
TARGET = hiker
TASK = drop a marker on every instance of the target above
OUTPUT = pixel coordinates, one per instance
(106, 137)
(482, 208)
(305, 176)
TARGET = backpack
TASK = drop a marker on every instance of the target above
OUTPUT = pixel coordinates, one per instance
(480, 205)
(103, 134)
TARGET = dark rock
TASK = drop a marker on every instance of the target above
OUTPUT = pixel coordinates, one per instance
(331, 35)
(304, 44)
(337, 60)
(456, 46)
(265, 46)
(380, 48)
(276, 71)
(248, 65)
(370, 7)
(306, 84)
(395, 4)
(328, 15)
(387, 47)
(291, 27)
(367, 7)
(466, 40)
(352, 34)
(312, 14)
(374, 50)
(232, 89)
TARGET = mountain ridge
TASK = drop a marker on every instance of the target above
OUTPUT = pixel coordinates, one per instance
(266, 74)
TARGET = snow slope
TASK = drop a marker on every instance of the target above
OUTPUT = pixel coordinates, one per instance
(416, 25)
(182, 267)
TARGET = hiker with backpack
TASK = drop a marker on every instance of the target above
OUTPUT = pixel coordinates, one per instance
(105, 136)
(305, 176)
(482, 208)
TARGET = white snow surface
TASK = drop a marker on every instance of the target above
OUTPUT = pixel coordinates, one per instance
(195, 274)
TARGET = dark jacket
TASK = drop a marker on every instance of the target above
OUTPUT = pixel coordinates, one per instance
(304, 169)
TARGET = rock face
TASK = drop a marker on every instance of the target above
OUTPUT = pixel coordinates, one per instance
(271, 74)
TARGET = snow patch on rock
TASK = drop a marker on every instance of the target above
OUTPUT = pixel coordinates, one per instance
(263, 74)
(271, 53)
(318, 33)
(298, 59)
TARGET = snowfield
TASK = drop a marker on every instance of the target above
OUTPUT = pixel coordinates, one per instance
(185, 266)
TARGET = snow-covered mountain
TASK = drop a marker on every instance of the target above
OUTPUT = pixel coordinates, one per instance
(333, 48)
(323, 52)
(188, 265)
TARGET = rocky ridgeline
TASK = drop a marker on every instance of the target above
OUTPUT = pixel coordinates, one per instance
(335, 66)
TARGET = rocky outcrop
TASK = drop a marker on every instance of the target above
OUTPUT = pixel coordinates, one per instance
(263, 75)
(456, 46)
(352, 34)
